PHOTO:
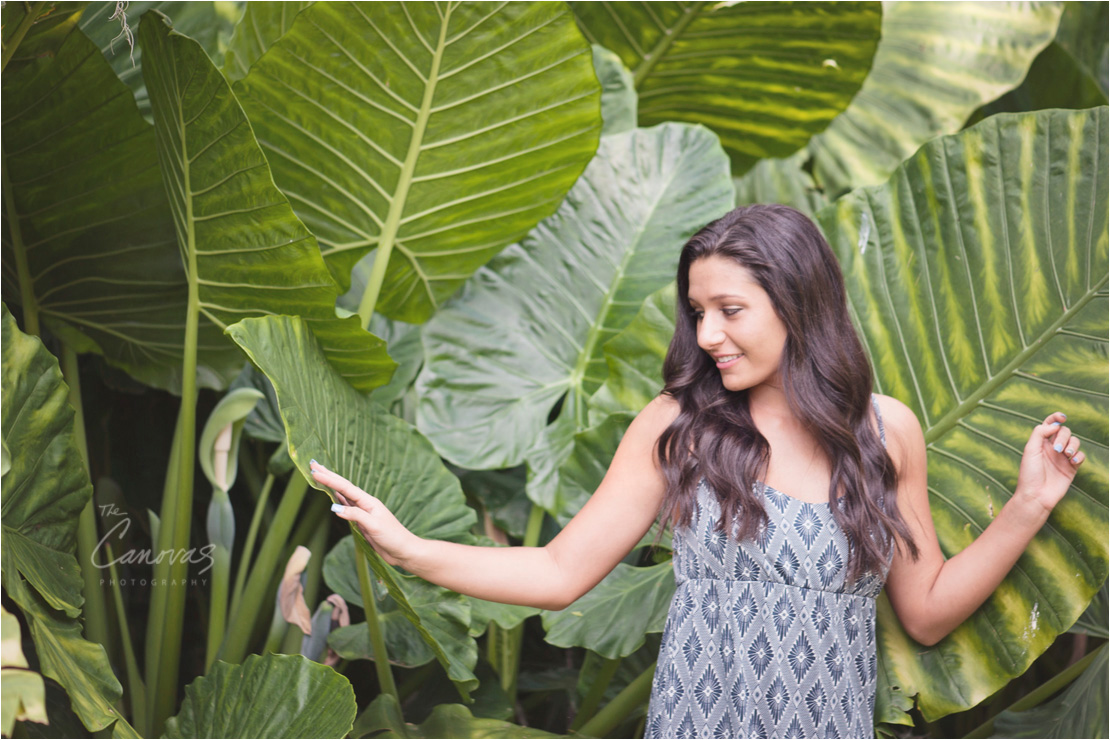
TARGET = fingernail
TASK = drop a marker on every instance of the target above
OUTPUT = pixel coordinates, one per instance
(313, 462)
(1058, 448)
(1053, 424)
(1064, 415)
(337, 508)
(1075, 459)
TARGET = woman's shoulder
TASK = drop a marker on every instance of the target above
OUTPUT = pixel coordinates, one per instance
(899, 421)
(660, 412)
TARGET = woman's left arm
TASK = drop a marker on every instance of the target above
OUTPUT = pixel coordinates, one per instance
(931, 595)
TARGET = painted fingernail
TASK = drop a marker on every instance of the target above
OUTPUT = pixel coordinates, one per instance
(337, 508)
(1054, 424)
(1075, 459)
(1058, 448)
(1064, 415)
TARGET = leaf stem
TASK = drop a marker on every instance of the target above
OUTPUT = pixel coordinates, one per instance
(23, 270)
(377, 639)
(95, 610)
(1039, 694)
(234, 649)
(248, 546)
(623, 704)
(20, 31)
(597, 691)
(135, 686)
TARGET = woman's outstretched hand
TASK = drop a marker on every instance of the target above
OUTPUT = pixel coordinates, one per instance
(1049, 463)
(381, 529)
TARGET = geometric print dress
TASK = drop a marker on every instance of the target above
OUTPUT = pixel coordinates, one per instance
(765, 638)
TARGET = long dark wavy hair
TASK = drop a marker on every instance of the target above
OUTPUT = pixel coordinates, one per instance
(825, 375)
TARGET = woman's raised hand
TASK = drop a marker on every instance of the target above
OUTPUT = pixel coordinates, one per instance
(1049, 462)
(381, 529)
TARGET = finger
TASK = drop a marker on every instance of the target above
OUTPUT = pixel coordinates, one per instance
(1078, 458)
(1052, 423)
(359, 516)
(352, 493)
(1071, 448)
(1062, 439)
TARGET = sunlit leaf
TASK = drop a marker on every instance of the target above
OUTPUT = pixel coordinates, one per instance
(435, 133)
(764, 76)
(979, 279)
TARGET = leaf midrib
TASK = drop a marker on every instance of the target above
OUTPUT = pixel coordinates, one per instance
(388, 236)
(644, 68)
(945, 423)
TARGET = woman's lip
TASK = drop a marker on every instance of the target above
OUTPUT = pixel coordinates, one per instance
(730, 363)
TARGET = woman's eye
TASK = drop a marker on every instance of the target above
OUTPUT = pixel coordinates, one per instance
(696, 315)
(730, 311)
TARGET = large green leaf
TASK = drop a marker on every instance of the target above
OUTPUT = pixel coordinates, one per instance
(765, 76)
(781, 181)
(614, 616)
(89, 235)
(1058, 78)
(210, 23)
(436, 133)
(978, 275)
(327, 420)
(937, 62)
(1091, 50)
(47, 486)
(267, 696)
(43, 495)
(263, 23)
(383, 719)
(529, 328)
(243, 247)
(1081, 711)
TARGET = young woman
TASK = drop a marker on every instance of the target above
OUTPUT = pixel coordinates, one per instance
(795, 494)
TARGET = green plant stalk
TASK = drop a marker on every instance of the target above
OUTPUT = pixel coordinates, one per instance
(248, 546)
(135, 686)
(597, 690)
(23, 270)
(163, 689)
(243, 619)
(95, 609)
(20, 31)
(157, 611)
(217, 607)
(377, 639)
(509, 650)
(1035, 697)
(623, 704)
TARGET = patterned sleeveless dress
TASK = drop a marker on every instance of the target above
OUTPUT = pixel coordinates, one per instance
(766, 638)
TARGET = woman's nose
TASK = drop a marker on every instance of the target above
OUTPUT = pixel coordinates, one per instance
(709, 333)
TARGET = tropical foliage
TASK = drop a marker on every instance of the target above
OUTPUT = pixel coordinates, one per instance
(432, 246)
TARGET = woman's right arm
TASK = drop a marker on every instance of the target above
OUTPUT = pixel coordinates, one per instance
(619, 513)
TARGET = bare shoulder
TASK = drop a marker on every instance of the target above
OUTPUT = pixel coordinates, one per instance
(903, 430)
(660, 413)
(654, 419)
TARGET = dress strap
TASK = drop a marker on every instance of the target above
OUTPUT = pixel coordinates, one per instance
(879, 418)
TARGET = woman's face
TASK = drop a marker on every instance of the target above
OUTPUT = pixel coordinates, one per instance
(736, 323)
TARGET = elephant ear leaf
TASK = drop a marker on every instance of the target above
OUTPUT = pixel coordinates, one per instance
(329, 421)
(763, 76)
(978, 275)
(43, 495)
(435, 134)
(300, 697)
(936, 63)
(244, 250)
